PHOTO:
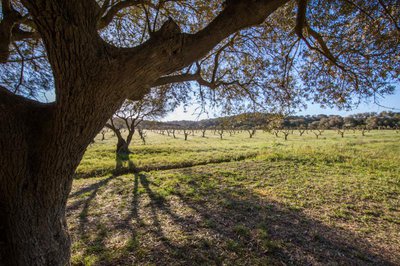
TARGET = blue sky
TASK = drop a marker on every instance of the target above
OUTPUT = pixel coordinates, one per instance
(392, 101)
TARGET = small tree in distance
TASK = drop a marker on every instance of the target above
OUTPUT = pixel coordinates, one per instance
(132, 114)
(185, 133)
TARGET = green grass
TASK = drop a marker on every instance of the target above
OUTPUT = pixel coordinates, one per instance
(262, 201)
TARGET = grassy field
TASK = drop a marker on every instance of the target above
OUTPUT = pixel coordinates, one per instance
(240, 201)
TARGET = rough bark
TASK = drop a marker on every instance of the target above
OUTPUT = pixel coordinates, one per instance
(33, 192)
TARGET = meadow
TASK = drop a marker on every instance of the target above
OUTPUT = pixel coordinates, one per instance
(239, 200)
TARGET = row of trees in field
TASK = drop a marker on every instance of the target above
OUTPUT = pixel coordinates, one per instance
(222, 133)
(134, 116)
(383, 120)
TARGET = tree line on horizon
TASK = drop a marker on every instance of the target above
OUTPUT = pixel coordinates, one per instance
(368, 120)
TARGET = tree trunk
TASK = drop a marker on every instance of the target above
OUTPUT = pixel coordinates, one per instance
(41, 145)
(35, 178)
(122, 146)
(129, 137)
(35, 236)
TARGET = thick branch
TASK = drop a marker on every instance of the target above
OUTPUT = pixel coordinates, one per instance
(6, 4)
(19, 35)
(174, 79)
(322, 44)
(301, 24)
(217, 56)
(7, 98)
(387, 12)
(114, 129)
(301, 17)
(10, 31)
(168, 53)
(10, 19)
(183, 78)
(238, 14)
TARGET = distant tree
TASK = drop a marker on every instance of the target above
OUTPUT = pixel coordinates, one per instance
(185, 133)
(142, 134)
(251, 132)
(103, 133)
(203, 132)
(220, 133)
(285, 133)
(132, 114)
(302, 130)
(341, 132)
(275, 132)
(363, 129)
(317, 132)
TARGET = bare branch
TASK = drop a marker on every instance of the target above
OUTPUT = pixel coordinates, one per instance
(10, 19)
(301, 24)
(148, 23)
(325, 50)
(113, 11)
(217, 56)
(183, 78)
(19, 35)
(9, 99)
(387, 12)
(174, 79)
(301, 17)
(104, 7)
(21, 75)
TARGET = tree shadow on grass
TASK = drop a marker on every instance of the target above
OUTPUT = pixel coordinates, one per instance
(123, 163)
(192, 223)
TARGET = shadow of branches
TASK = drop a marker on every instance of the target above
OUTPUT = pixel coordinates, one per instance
(187, 222)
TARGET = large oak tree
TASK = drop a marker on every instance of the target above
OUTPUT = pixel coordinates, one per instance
(94, 54)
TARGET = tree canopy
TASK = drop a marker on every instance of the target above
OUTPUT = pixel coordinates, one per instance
(330, 52)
